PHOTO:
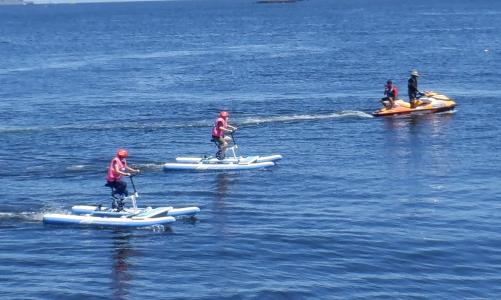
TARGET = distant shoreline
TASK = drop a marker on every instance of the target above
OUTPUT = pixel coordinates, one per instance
(15, 2)
(63, 2)
(55, 2)
(276, 1)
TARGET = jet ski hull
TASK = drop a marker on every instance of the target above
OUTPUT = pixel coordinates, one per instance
(431, 102)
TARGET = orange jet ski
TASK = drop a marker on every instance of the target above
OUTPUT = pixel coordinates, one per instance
(430, 102)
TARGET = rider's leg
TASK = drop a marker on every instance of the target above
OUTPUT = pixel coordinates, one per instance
(114, 198)
(119, 191)
(221, 146)
(385, 103)
(222, 149)
(392, 101)
(412, 99)
(121, 188)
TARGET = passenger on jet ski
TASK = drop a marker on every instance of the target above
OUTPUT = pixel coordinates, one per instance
(391, 93)
(221, 127)
(117, 169)
(412, 88)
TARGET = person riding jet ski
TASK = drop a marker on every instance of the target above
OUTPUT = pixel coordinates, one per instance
(391, 93)
(221, 126)
(412, 88)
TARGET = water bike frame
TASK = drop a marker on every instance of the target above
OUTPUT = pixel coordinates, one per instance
(233, 148)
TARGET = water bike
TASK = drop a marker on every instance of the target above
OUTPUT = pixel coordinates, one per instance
(121, 216)
(223, 162)
(428, 102)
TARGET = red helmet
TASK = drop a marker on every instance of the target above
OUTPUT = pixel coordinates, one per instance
(122, 153)
(224, 114)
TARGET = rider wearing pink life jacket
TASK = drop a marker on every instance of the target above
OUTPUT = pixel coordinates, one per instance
(221, 127)
(391, 94)
(117, 169)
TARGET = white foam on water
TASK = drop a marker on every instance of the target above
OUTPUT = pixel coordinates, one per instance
(448, 112)
(146, 124)
(76, 167)
(27, 216)
(151, 166)
(297, 118)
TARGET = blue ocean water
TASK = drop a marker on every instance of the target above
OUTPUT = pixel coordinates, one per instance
(359, 208)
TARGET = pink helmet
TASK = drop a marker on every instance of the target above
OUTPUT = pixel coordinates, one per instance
(122, 153)
(224, 114)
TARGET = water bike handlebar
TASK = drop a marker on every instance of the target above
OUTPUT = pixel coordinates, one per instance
(233, 138)
(133, 173)
(132, 182)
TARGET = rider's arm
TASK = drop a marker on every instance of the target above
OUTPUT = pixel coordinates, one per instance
(132, 170)
(227, 129)
(233, 128)
(117, 170)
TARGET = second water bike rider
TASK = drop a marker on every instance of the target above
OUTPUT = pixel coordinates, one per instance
(116, 170)
(221, 127)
